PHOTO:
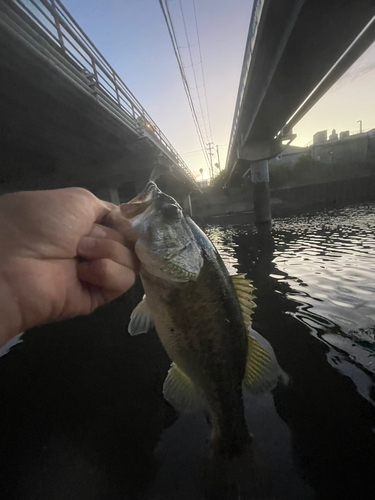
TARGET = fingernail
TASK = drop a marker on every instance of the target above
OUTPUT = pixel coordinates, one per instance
(98, 232)
(86, 243)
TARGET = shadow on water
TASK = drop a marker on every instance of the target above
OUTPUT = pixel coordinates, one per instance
(82, 409)
(83, 417)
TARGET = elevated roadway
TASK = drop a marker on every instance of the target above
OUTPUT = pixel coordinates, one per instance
(295, 51)
(67, 117)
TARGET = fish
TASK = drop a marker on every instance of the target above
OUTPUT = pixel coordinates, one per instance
(202, 316)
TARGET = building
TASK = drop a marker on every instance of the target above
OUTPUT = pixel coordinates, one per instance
(342, 148)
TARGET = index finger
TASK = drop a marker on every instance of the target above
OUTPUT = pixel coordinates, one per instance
(117, 221)
(104, 208)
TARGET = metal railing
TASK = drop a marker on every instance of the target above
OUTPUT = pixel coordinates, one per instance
(55, 21)
(253, 30)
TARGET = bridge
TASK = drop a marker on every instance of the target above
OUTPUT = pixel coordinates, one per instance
(66, 116)
(295, 51)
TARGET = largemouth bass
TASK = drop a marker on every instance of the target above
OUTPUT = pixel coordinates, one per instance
(202, 317)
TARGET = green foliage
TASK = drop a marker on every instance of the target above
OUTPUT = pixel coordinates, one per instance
(217, 183)
(219, 179)
(304, 160)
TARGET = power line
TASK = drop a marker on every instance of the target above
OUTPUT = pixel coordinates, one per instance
(176, 49)
(172, 35)
(204, 81)
(193, 68)
(191, 152)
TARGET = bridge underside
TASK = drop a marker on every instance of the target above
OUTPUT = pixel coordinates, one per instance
(54, 132)
(297, 45)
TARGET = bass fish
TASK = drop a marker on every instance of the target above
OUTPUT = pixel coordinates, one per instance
(202, 317)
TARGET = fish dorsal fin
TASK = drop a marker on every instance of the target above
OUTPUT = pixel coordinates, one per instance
(262, 369)
(245, 294)
(181, 392)
(140, 319)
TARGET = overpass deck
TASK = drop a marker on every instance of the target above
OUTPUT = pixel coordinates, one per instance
(63, 103)
(296, 50)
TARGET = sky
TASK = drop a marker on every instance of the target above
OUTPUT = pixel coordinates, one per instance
(132, 35)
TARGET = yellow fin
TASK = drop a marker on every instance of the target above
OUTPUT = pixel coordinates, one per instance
(262, 369)
(245, 294)
(181, 392)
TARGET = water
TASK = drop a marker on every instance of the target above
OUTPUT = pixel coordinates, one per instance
(82, 415)
(315, 277)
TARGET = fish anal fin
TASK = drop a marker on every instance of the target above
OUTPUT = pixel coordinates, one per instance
(181, 392)
(140, 319)
(262, 369)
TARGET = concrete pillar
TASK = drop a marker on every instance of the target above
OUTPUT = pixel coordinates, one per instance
(107, 194)
(187, 205)
(261, 191)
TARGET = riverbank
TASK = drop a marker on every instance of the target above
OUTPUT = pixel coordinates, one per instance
(315, 197)
(289, 195)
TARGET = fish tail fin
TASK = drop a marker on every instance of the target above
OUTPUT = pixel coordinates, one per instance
(229, 439)
(229, 446)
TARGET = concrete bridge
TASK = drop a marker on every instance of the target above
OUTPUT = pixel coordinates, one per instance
(295, 51)
(66, 116)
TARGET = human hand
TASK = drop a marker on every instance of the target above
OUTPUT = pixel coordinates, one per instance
(57, 258)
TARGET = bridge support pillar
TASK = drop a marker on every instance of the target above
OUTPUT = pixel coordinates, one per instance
(261, 191)
(187, 205)
(107, 194)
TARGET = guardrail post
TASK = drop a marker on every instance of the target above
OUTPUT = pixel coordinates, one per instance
(57, 24)
(94, 71)
(116, 88)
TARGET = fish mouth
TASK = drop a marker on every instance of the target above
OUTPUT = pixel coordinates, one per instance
(149, 192)
(141, 202)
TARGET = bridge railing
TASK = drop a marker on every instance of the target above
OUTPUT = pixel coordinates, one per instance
(253, 29)
(53, 18)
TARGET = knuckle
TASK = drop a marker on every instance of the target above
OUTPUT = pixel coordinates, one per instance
(81, 191)
(109, 249)
(130, 278)
(101, 269)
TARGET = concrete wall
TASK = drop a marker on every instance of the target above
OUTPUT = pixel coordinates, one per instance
(291, 154)
(289, 202)
(352, 149)
(215, 202)
(311, 186)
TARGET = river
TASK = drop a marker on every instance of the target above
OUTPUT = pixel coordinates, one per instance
(82, 416)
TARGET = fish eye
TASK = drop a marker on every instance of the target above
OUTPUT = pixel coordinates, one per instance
(171, 212)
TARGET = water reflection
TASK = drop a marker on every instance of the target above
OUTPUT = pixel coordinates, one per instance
(314, 280)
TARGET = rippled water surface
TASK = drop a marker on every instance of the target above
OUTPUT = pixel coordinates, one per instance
(315, 280)
(327, 262)
(83, 416)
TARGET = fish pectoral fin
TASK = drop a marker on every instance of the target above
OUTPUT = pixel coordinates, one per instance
(181, 392)
(245, 295)
(140, 319)
(262, 369)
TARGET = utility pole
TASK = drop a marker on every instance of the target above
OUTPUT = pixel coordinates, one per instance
(218, 157)
(210, 147)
